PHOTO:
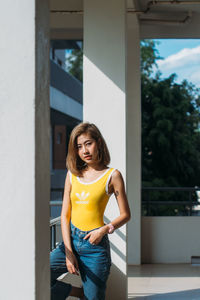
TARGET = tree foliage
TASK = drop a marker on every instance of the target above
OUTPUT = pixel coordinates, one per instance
(148, 57)
(170, 129)
(74, 63)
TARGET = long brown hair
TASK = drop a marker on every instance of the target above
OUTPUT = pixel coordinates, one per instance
(74, 163)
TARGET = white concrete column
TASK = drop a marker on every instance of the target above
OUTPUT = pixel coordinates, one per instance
(134, 139)
(24, 151)
(105, 105)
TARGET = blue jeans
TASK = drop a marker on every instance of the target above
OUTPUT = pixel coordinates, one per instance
(94, 264)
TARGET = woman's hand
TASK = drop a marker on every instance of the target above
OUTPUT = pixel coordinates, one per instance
(72, 263)
(95, 236)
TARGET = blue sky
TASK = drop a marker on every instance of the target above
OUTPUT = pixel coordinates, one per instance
(180, 56)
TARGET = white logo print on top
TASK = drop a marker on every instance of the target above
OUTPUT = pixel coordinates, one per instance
(82, 197)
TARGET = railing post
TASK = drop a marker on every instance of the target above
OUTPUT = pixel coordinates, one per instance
(148, 203)
(54, 236)
(190, 202)
(51, 237)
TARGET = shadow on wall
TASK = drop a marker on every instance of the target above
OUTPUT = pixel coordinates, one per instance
(116, 275)
(119, 233)
(113, 247)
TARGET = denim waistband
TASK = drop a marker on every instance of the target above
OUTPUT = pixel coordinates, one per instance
(76, 230)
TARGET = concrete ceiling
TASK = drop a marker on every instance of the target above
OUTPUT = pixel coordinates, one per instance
(158, 19)
(169, 19)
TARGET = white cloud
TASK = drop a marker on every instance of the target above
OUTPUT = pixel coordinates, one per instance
(182, 58)
(185, 63)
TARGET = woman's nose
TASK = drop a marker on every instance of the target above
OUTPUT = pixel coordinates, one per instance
(85, 150)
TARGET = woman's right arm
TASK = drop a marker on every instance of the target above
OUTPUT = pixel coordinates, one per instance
(71, 261)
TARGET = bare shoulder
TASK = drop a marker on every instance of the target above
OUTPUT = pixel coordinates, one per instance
(117, 175)
(68, 175)
(117, 183)
(68, 180)
(116, 180)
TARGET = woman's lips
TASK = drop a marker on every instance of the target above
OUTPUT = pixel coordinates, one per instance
(87, 157)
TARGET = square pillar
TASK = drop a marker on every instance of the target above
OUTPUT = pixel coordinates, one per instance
(134, 139)
(104, 103)
(24, 151)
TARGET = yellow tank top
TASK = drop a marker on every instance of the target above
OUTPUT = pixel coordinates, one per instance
(89, 200)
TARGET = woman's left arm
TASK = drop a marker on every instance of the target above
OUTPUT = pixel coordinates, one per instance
(118, 188)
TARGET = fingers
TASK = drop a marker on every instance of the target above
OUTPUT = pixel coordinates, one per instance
(87, 236)
(76, 272)
(91, 237)
(72, 266)
(73, 270)
(94, 237)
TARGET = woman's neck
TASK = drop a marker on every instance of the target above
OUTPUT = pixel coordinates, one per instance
(95, 167)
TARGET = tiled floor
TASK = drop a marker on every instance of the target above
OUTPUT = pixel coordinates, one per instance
(164, 282)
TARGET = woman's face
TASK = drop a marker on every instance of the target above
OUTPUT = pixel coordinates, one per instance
(87, 148)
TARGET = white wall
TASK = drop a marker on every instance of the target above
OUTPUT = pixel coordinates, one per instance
(170, 239)
(24, 151)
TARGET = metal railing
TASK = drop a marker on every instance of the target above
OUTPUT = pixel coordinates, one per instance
(55, 221)
(193, 198)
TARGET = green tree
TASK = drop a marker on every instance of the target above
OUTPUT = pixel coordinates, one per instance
(170, 130)
(74, 63)
(148, 57)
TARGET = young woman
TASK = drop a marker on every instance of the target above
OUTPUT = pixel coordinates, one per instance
(89, 183)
